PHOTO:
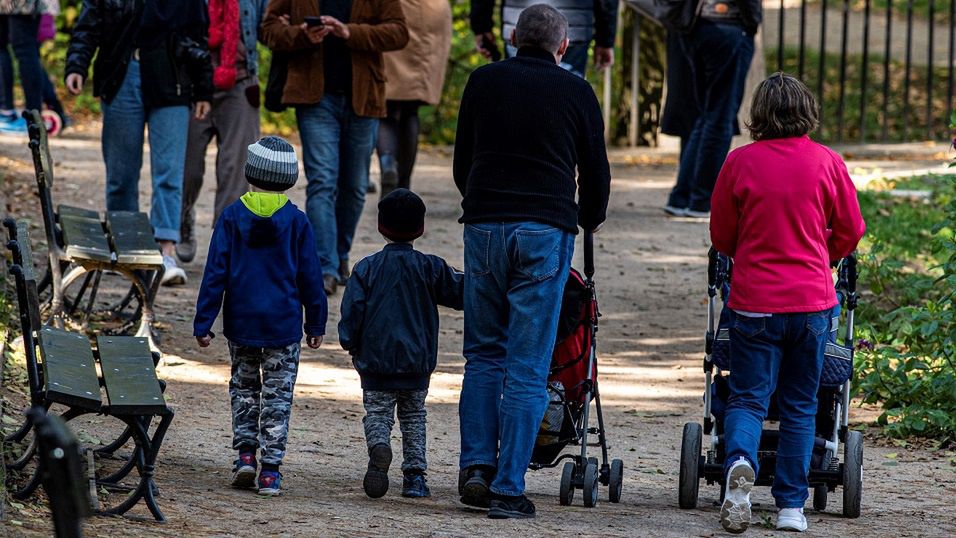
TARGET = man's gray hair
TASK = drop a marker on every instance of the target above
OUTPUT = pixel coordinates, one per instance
(541, 26)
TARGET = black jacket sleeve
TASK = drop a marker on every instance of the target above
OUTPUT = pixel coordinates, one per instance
(605, 22)
(464, 138)
(594, 172)
(482, 16)
(448, 284)
(201, 75)
(751, 11)
(85, 40)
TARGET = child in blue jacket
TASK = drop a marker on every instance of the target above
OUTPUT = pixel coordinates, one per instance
(390, 327)
(262, 271)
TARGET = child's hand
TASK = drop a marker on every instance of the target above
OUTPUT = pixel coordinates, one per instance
(314, 341)
(204, 341)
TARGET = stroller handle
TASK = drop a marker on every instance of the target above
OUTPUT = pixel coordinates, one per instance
(712, 267)
(851, 273)
(589, 254)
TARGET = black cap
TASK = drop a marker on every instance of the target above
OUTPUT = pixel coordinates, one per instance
(401, 215)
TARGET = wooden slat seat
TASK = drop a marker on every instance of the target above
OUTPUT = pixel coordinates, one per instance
(69, 369)
(84, 238)
(78, 212)
(132, 238)
(129, 376)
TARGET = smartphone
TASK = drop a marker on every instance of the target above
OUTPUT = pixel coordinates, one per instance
(314, 22)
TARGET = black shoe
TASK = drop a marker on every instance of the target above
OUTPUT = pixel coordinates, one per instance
(389, 181)
(474, 491)
(507, 507)
(415, 485)
(344, 272)
(376, 478)
(331, 284)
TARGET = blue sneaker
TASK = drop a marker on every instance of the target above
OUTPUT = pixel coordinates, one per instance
(244, 472)
(12, 123)
(269, 482)
(414, 485)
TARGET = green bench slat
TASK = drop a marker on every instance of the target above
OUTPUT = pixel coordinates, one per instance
(132, 237)
(69, 370)
(129, 376)
(84, 238)
(79, 212)
(29, 271)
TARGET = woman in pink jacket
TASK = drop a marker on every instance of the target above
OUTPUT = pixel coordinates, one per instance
(783, 208)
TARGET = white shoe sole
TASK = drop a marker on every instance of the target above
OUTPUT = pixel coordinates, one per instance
(735, 512)
(176, 277)
(244, 478)
(270, 492)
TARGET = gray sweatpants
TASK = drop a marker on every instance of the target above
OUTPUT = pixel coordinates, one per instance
(235, 124)
(380, 417)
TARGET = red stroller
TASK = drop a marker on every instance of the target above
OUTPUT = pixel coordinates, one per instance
(572, 385)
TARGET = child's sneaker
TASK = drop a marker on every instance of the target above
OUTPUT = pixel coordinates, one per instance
(376, 478)
(269, 482)
(735, 512)
(12, 123)
(414, 485)
(791, 519)
(244, 472)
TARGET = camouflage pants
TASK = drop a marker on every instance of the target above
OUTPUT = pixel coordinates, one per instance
(380, 417)
(261, 393)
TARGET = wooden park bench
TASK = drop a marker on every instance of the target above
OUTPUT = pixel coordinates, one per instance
(63, 370)
(83, 247)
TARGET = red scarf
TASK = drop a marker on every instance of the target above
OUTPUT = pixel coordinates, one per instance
(224, 36)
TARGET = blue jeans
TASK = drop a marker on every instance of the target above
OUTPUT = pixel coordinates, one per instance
(575, 59)
(336, 150)
(124, 119)
(719, 57)
(782, 353)
(20, 31)
(514, 281)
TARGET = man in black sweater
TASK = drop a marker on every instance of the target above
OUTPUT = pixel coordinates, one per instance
(524, 126)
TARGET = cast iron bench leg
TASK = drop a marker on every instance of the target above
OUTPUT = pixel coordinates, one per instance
(150, 450)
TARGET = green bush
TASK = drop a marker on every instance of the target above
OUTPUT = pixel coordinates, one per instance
(907, 360)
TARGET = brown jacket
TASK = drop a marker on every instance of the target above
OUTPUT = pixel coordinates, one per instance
(417, 72)
(376, 26)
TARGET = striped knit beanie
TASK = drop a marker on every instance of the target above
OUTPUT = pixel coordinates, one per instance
(271, 164)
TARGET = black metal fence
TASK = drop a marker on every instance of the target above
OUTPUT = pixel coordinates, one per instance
(883, 70)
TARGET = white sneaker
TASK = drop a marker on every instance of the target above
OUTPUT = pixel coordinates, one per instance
(735, 512)
(791, 519)
(173, 275)
(675, 211)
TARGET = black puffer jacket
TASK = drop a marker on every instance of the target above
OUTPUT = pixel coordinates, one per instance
(110, 30)
(390, 318)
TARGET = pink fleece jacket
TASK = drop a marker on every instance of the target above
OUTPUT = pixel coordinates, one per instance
(783, 209)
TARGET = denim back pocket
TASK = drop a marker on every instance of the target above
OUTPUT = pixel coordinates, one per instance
(538, 253)
(819, 322)
(477, 250)
(749, 326)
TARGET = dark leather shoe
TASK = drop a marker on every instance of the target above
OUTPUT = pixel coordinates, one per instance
(474, 491)
(508, 507)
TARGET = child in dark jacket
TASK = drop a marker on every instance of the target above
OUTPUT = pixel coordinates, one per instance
(262, 270)
(390, 327)
(784, 208)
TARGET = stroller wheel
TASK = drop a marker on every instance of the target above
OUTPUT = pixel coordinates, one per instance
(689, 481)
(820, 497)
(852, 474)
(567, 484)
(616, 481)
(590, 489)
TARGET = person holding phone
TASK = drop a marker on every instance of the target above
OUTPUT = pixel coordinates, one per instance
(234, 118)
(336, 83)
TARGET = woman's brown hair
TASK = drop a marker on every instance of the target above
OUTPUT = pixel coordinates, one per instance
(782, 107)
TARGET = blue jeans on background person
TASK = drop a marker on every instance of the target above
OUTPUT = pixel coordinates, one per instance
(782, 353)
(20, 32)
(337, 149)
(720, 56)
(514, 282)
(124, 119)
(575, 59)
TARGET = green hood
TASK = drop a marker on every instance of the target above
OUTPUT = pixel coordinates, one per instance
(264, 204)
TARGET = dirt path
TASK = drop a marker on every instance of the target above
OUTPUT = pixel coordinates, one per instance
(651, 286)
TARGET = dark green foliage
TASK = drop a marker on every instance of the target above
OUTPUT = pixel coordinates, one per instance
(908, 323)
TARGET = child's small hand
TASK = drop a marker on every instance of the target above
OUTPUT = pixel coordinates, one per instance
(204, 341)
(314, 341)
